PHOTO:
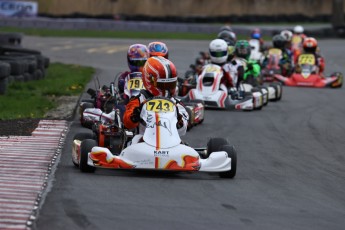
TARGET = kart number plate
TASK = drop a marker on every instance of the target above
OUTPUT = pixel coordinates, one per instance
(212, 69)
(160, 105)
(308, 59)
(296, 40)
(135, 84)
(275, 51)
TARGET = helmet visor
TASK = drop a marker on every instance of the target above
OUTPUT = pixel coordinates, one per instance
(137, 62)
(219, 54)
(166, 84)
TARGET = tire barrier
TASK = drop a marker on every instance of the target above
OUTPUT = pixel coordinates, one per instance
(18, 63)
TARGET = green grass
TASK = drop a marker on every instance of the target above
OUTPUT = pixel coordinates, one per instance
(112, 34)
(33, 99)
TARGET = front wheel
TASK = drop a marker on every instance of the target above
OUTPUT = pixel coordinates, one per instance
(232, 154)
(215, 144)
(78, 138)
(85, 148)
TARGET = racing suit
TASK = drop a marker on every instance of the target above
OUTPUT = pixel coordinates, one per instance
(235, 71)
(252, 72)
(121, 85)
(131, 118)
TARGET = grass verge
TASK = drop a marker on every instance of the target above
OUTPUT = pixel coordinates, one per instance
(34, 98)
(112, 34)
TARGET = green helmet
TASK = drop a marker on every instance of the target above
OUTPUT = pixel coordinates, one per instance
(242, 49)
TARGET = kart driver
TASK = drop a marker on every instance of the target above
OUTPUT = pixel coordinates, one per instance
(218, 49)
(310, 47)
(256, 34)
(286, 62)
(160, 78)
(137, 55)
(251, 68)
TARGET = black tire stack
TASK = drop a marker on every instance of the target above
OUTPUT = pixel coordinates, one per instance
(18, 63)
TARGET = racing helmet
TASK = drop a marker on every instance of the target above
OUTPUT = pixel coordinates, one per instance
(256, 34)
(137, 55)
(298, 29)
(242, 49)
(225, 27)
(218, 49)
(158, 49)
(310, 45)
(227, 36)
(287, 34)
(160, 76)
(278, 41)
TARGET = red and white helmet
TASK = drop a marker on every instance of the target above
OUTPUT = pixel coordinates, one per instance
(160, 76)
(310, 45)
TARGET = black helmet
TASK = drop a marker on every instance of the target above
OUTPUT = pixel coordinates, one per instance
(242, 49)
(226, 27)
(278, 41)
(227, 36)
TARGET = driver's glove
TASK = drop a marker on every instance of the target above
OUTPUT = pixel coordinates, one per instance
(179, 123)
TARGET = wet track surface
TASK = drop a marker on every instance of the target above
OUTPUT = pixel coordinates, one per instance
(291, 158)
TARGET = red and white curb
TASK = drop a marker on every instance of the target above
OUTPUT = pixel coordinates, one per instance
(25, 165)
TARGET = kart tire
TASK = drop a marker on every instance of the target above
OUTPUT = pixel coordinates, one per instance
(3, 85)
(81, 137)
(258, 90)
(341, 79)
(215, 144)
(85, 148)
(279, 90)
(190, 123)
(233, 155)
(86, 124)
(5, 69)
(261, 89)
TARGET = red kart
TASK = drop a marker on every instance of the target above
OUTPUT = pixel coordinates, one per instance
(306, 74)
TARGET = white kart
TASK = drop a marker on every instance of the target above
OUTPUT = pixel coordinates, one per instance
(160, 148)
(215, 95)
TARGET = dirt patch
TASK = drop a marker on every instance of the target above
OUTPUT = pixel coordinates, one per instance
(24, 127)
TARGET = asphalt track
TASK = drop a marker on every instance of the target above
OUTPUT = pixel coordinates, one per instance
(291, 159)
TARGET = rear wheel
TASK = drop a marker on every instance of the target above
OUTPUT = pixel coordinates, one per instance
(264, 91)
(233, 156)
(339, 82)
(279, 90)
(85, 148)
(80, 137)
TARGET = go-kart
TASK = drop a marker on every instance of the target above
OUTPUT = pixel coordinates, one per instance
(160, 147)
(104, 100)
(210, 90)
(106, 131)
(306, 74)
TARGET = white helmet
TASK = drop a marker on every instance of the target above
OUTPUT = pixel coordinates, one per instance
(287, 34)
(218, 49)
(298, 29)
